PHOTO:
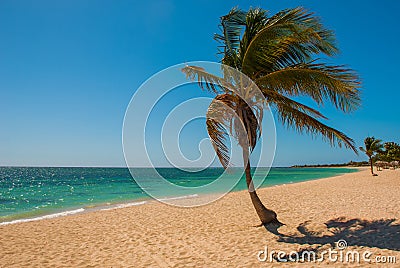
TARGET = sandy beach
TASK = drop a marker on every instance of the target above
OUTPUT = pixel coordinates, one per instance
(356, 207)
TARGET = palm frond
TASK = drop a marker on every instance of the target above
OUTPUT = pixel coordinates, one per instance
(289, 37)
(372, 146)
(207, 80)
(256, 19)
(319, 81)
(219, 137)
(302, 122)
(231, 27)
(274, 96)
(242, 121)
(322, 38)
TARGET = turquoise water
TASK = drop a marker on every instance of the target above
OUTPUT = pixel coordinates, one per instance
(27, 192)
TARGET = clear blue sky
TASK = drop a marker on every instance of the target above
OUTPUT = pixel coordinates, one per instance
(69, 68)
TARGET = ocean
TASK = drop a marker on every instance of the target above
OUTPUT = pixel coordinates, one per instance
(30, 193)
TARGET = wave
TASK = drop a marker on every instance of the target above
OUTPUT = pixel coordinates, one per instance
(178, 197)
(126, 205)
(50, 216)
(81, 210)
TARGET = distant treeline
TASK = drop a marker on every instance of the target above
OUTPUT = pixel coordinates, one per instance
(348, 164)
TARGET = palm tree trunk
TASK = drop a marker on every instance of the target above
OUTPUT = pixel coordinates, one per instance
(266, 215)
(372, 166)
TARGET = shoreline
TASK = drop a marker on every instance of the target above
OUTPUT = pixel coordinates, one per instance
(142, 201)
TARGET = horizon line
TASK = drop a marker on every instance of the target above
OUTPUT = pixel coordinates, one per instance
(296, 165)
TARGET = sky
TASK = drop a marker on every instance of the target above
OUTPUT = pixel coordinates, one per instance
(68, 70)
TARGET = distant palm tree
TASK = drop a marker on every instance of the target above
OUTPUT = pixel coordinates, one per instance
(372, 146)
(392, 151)
(277, 53)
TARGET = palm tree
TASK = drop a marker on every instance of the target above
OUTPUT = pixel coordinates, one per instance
(278, 54)
(392, 151)
(372, 146)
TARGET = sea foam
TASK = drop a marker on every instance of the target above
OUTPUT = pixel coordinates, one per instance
(50, 216)
(178, 197)
(124, 205)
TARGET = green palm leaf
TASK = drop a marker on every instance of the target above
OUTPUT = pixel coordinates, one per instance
(290, 37)
(303, 122)
(319, 81)
(231, 28)
(273, 96)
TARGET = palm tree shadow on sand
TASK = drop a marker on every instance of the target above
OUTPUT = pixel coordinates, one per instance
(383, 233)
